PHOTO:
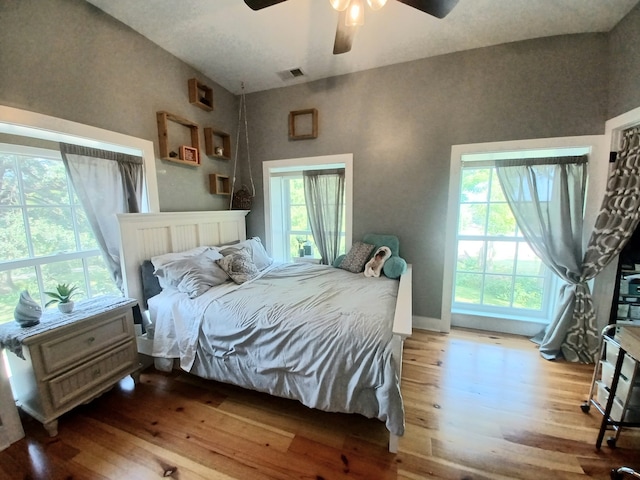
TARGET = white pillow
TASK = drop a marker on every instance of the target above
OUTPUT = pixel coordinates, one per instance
(192, 272)
(256, 250)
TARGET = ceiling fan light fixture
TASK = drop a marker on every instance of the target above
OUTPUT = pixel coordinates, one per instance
(355, 14)
(339, 5)
(376, 4)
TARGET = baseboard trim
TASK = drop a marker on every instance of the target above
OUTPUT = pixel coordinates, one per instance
(429, 323)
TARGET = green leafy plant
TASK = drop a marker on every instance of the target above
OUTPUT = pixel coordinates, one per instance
(63, 294)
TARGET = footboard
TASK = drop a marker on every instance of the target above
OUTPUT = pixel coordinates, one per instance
(402, 328)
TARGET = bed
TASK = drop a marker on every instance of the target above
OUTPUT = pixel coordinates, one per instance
(335, 349)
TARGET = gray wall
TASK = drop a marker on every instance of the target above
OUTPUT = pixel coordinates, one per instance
(401, 121)
(624, 69)
(68, 59)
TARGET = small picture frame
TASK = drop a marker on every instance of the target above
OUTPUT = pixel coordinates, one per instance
(189, 154)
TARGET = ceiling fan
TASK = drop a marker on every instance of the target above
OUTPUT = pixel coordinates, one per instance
(352, 15)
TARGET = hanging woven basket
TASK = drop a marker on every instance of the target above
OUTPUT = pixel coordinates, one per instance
(242, 199)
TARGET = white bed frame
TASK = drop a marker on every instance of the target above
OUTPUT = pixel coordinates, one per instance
(144, 235)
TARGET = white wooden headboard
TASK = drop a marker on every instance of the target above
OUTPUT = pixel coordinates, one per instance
(144, 235)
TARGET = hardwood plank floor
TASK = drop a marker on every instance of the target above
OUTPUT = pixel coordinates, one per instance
(478, 406)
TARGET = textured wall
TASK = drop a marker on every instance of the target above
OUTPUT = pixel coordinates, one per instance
(624, 69)
(68, 59)
(400, 122)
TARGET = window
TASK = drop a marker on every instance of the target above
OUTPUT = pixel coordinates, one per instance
(44, 233)
(296, 231)
(286, 222)
(496, 271)
(484, 251)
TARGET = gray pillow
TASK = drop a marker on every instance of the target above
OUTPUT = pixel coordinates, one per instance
(239, 266)
(355, 260)
(150, 284)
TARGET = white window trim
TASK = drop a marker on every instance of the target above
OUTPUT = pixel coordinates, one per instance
(597, 169)
(14, 121)
(298, 164)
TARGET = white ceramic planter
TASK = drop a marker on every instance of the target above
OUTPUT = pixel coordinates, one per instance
(66, 307)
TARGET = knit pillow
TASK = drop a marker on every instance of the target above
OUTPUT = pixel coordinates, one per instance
(355, 260)
(239, 266)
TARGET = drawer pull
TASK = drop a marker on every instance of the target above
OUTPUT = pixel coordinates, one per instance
(91, 339)
(96, 373)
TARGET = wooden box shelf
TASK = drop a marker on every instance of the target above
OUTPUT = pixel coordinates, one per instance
(200, 95)
(217, 143)
(303, 124)
(167, 147)
(219, 184)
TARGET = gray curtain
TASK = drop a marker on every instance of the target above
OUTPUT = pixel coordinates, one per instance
(324, 196)
(107, 183)
(547, 197)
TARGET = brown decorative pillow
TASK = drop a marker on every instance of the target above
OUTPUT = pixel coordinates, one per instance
(357, 257)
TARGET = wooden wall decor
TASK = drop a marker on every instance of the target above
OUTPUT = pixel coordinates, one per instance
(172, 151)
(200, 95)
(217, 143)
(219, 184)
(303, 124)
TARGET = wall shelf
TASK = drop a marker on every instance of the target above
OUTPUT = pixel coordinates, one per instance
(219, 184)
(214, 140)
(303, 124)
(170, 150)
(200, 95)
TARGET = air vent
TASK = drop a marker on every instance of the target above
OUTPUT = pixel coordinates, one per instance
(291, 74)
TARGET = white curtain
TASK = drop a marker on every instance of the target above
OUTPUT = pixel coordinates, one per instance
(107, 183)
(547, 198)
(324, 196)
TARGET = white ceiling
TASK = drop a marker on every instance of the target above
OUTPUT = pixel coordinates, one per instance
(232, 44)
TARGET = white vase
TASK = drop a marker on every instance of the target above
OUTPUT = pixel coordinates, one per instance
(66, 307)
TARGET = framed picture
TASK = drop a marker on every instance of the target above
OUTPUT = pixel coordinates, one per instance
(189, 154)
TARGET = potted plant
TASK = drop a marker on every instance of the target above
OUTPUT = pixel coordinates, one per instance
(62, 296)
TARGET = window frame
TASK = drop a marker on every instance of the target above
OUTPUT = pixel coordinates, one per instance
(272, 205)
(14, 121)
(22, 123)
(597, 171)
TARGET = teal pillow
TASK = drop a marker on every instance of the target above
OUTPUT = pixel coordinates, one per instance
(394, 267)
(378, 241)
(336, 263)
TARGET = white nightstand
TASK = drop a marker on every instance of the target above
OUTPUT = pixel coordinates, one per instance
(71, 359)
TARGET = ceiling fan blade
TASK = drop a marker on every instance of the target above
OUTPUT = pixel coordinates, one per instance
(260, 4)
(344, 35)
(437, 8)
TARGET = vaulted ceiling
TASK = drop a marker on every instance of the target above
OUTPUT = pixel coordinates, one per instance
(232, 44)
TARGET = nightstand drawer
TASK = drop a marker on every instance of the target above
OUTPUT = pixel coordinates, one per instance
(66, 350)
(82, 381)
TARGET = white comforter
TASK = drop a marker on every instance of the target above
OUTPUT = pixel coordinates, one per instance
(314, 333)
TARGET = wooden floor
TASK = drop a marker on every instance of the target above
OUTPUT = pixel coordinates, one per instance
(478, 406)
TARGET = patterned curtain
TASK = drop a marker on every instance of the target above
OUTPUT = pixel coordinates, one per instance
(546, 196)
(324, 196)
(106, 183)
(617, 220)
